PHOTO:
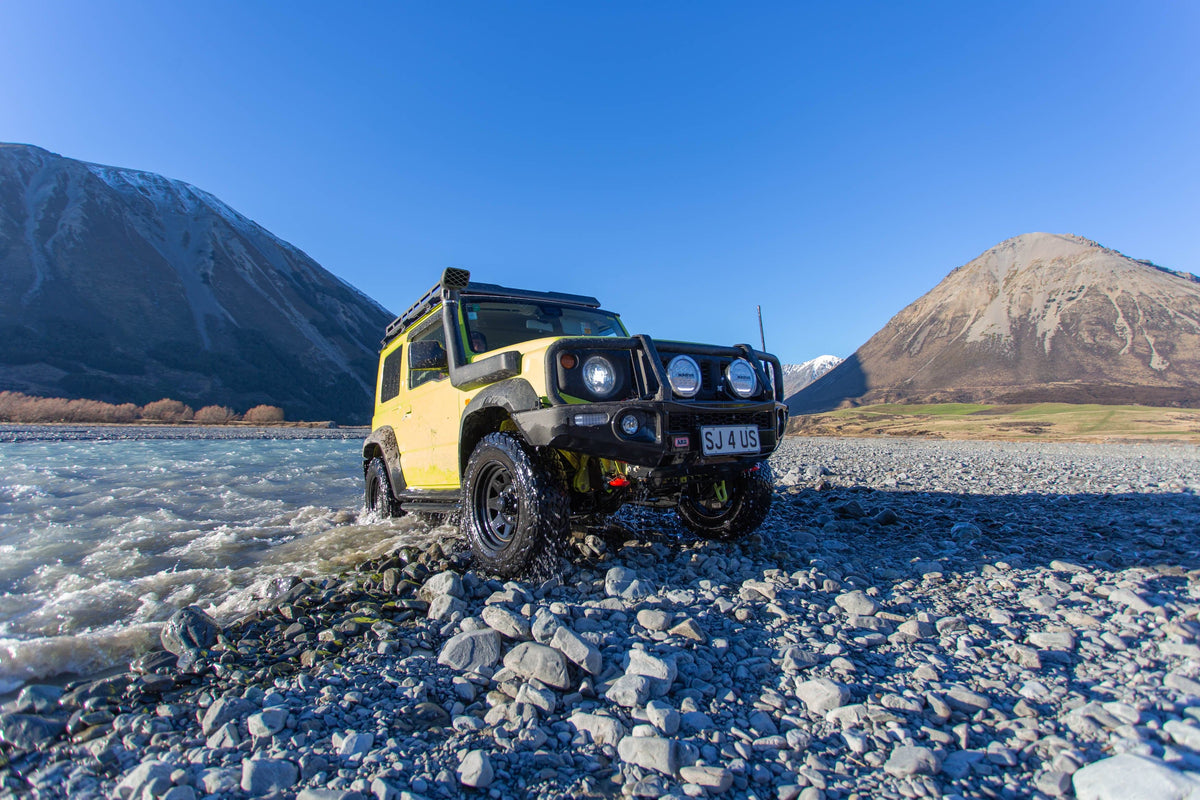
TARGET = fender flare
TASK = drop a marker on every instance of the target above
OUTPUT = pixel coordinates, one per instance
(384, 438)
(511, 396)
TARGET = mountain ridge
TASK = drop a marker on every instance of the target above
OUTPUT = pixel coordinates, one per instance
(123, 285)
(1037, 318)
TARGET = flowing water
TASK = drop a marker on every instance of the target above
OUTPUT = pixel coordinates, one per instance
(105, 532)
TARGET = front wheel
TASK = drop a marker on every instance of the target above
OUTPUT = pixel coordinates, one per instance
(730, 509)
(515, 505)
(378, 494)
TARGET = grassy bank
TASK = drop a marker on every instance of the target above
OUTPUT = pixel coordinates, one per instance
(1050, 421)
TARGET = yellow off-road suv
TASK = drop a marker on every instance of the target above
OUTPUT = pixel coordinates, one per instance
(522, 409)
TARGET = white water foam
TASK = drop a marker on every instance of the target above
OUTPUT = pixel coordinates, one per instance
(101, 541)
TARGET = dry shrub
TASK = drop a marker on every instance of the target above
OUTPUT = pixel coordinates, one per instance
(19, 407)
(167, 410)
(264, 414)
(215, 415)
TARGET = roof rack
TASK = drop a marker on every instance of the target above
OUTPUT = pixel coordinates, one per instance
(459, 279)
(493, 290)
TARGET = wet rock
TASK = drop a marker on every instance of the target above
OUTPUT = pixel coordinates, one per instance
(30, 731)
(37, 699)
(189, 628)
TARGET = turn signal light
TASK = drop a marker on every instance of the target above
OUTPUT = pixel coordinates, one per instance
(567, 360)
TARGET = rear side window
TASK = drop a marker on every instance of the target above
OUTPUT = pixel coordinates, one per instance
(420, 372)
(389, 386)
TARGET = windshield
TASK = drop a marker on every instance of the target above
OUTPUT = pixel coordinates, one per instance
(493, 324)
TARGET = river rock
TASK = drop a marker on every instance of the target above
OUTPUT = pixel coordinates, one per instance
(577, 650)
(225, 709)
(906, 761)
(650, 752)
(532, 660)
(266, 775)
(602, 729)
(30, 731)
(475, 770)
(189, 628)
(1131, 777)
(857, 602)
(822, 695)
(471, 651)
(507, 623)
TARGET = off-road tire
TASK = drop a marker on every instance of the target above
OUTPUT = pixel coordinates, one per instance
(378, 494)
(515, 506)
(748, 504)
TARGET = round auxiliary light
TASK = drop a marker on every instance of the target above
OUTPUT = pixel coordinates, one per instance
(567, 360)
(683, 373)
(741, 378)
(599, 376)
(630, 424)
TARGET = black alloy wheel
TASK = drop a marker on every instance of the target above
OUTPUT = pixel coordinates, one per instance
(515, 505)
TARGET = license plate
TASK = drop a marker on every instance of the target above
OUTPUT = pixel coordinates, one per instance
(729, 440)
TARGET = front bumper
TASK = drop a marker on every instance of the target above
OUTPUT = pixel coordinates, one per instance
(668, 433)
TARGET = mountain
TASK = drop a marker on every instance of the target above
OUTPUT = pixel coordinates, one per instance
(797, 376)
(1038, 318)
(126, 286)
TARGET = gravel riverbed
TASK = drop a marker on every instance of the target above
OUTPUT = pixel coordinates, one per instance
(915, 619)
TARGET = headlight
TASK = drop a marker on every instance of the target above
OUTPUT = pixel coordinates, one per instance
(741, 378)
(599, 376)
(683, 373)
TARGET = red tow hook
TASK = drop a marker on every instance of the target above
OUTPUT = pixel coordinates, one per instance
(618, 482)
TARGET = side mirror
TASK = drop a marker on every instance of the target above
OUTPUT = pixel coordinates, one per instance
(427, 355)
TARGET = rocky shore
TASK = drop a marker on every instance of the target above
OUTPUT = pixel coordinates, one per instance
(915, 619)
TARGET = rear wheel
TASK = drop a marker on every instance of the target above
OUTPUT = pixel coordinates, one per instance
(515, 506)
(378, 495)
(730, 509)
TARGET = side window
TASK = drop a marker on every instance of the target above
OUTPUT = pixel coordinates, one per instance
(390, 385)
(424, 365)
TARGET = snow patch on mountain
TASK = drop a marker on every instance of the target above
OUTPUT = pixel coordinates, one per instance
(797, 376)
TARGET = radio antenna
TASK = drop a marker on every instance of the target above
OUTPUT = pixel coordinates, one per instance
(762, 337)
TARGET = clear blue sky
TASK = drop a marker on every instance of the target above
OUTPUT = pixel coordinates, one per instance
(681, 161)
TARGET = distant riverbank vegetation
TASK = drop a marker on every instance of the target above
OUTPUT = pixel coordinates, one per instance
(23, 408)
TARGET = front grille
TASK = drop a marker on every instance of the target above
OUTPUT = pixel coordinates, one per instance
(690, 422)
